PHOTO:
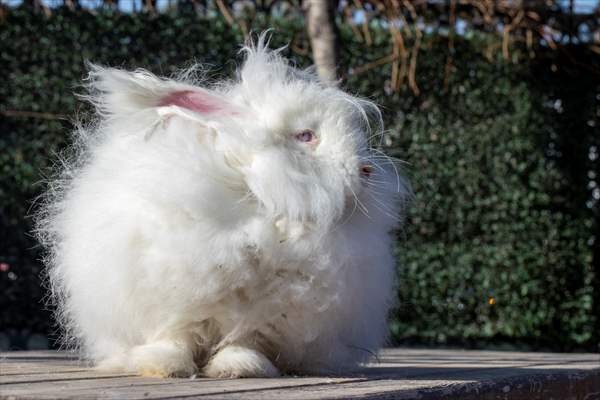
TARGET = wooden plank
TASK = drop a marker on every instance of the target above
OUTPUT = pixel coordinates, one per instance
(399, 373)
(154, 388)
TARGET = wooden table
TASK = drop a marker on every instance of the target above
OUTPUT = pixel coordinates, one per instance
(399, 374)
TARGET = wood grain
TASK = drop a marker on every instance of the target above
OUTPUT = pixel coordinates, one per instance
(398, 374)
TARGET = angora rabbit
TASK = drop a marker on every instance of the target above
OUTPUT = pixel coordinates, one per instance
(240, 230)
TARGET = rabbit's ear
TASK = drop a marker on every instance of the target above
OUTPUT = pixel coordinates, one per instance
(115, 92)
(199, 101)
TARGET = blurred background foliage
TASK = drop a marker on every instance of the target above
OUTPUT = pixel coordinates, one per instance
(499, 249)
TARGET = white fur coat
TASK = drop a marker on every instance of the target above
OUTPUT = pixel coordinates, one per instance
(237, 230)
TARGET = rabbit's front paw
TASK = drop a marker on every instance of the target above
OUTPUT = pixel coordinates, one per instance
(160, 359)
(240, 362)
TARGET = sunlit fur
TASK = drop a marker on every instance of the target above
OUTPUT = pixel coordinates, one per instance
(182, 242)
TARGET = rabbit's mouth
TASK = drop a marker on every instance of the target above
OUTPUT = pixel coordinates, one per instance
(354, 205)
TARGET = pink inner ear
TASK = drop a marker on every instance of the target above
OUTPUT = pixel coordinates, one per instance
(193, 100)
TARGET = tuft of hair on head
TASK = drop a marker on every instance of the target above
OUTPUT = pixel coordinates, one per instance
(261, 64)
(264, 66)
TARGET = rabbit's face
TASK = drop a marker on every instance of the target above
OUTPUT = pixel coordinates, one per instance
(307, 143)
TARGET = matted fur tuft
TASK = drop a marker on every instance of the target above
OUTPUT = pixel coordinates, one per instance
(238, 229)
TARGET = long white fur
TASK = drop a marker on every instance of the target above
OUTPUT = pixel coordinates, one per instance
(183, 242)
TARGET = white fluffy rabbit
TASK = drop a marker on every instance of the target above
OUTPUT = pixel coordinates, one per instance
(241, 230)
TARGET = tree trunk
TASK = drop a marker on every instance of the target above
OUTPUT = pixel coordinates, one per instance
(323, 34)
(150, 6)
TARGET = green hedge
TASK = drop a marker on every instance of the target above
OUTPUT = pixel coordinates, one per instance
(497, 248)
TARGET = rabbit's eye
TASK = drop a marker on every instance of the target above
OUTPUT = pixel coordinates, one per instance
(306, 136)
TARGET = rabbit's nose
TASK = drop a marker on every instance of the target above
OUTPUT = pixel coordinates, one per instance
(366, 170)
